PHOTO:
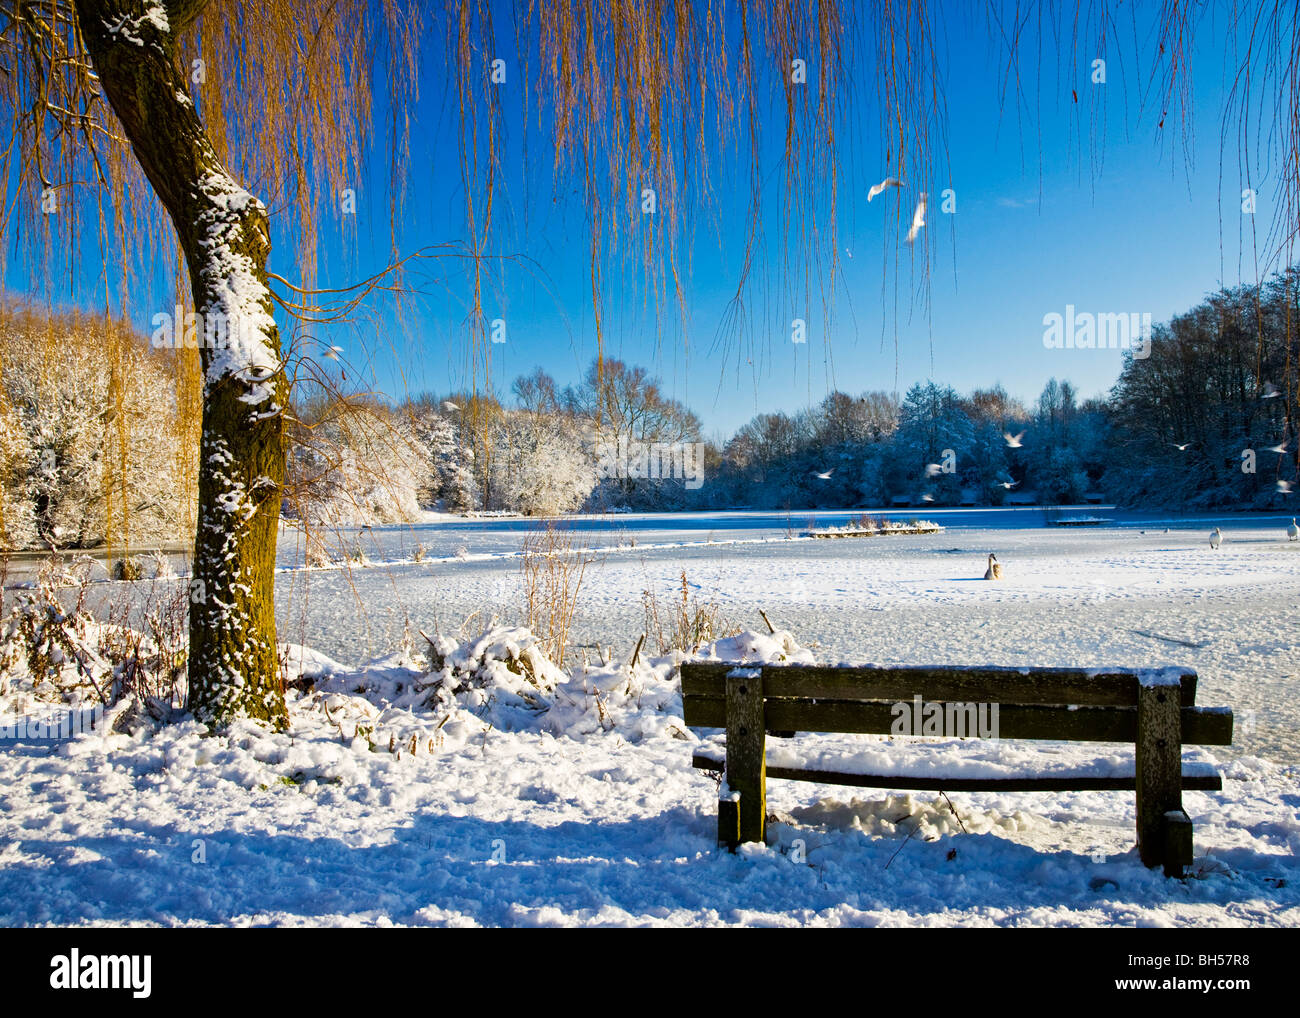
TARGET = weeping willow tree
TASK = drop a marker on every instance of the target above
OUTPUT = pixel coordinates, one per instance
(175, 128)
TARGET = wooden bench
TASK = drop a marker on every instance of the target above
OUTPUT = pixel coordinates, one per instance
(1154, 709)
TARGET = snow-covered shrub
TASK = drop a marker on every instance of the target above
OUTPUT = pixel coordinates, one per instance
(160, 565)
(53, 646)
(55, 649)
(686, 624)
(503, 680)
(502, 671)
(130, 568)
(17, 517)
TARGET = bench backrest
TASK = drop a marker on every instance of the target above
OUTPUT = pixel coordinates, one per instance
(1067, 704)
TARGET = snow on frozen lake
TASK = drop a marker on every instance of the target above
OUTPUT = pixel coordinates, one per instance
(590, 812)
(1128, 594)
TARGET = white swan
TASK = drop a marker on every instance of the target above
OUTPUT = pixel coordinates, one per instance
(1293, 532)
(1216, 537)
(994, 571)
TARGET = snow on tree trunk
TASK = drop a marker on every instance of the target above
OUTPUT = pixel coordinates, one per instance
(223, 231)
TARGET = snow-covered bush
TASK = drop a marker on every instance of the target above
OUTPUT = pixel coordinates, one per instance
(55, 650)
(502, 668)
(130, 568)
(17, 520)
(160, 565)
(51, 645)
(503, 680)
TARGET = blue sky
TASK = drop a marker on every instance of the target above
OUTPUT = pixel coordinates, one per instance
(1057, 207)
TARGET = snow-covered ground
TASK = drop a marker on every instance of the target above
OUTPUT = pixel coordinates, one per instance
(576, 803)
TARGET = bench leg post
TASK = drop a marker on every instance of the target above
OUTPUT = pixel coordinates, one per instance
(746, 766)
(1178, 843)
(1159, 753)
(728, 819)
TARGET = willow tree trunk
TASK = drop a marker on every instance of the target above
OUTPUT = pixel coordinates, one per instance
(223, 232)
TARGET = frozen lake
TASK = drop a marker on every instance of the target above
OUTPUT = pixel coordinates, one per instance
(446, 536)
(1144, 590)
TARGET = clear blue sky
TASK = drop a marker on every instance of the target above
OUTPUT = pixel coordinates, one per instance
(1053, 208)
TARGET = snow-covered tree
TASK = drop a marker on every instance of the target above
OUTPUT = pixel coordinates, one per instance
(450, 481)
(359, 463)
(542, 464)
(17, 528)
(89, 443)
(933, 431)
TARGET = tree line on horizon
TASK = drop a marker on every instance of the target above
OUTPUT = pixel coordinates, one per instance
(1207, 421)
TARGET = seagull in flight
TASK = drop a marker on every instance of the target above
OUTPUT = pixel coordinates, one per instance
(918, 219)
(878, 188)
(332, 352)
(1008, 484)
(1013, 441)
(450, 406)
(933, 470)
(1271, 391)
(1283, 487)
(826, 476)
(1280, 448)
(1181, 448)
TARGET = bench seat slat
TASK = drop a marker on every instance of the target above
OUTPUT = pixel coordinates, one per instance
(1113, 687)
(1200, 726)
(1191, 781)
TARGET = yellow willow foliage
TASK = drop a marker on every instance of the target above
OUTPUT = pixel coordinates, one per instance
(14, 456)
(117, 507)
(285, 90)
(122, 447)
(88, 434)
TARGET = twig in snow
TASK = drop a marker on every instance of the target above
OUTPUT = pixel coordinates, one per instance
(765, 619)
(1169, 639)
(954, 810)
(905, 841)
(76, 656)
